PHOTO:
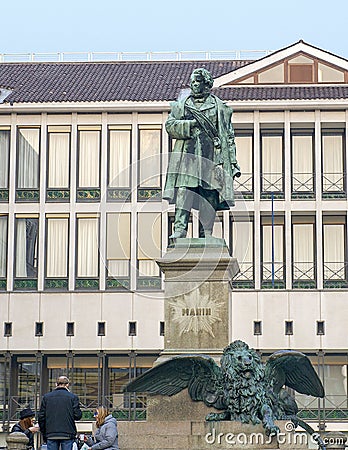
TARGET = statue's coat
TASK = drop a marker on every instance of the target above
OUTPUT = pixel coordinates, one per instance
(194, 160)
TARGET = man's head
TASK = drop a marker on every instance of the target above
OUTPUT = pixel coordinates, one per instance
(62, 381)
(201, 82)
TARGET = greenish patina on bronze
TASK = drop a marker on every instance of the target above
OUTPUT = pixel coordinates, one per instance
(203, 163)
(242, 387)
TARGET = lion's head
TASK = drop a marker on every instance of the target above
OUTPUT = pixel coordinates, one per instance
(238, 360)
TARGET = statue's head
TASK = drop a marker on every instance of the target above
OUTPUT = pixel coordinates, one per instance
(239, 359)
(201, 82)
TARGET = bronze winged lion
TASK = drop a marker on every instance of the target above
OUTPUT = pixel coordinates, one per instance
(242, 388)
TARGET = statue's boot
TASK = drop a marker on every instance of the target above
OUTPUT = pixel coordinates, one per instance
(180, 223)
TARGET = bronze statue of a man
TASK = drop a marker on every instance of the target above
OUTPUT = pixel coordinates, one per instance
(203, 163)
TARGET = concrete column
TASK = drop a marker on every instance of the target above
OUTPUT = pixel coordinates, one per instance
(17, 441)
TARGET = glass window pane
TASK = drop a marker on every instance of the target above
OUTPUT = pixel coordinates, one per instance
(28, 158)
(118, 244)
(245, 159)
(58, 160)
(3, 246)
(149, 158)
(119, 158)
(333, 178)
(272, 163)
(26, 247)
(303, 251)
(273, 252)
(57, 247)
(89, 153)
(334, 251)
(302, 163)
(243, 248)
(87, 247)
(4, 157)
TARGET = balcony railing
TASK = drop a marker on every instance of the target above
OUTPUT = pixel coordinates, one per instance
(134, 56)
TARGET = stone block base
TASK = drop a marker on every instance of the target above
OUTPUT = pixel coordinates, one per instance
(201, 435)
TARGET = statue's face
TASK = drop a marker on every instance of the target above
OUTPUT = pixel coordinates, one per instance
(197, 84)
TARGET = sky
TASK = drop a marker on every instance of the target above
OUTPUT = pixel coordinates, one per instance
(50, 26)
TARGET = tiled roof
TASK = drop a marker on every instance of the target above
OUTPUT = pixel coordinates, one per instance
(102, 81)
(136, 81)
(240, 93)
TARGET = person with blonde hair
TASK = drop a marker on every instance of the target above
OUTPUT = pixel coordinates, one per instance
(106, 435)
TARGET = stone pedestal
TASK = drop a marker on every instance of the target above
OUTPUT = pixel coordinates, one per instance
(198, 274)
(200, 435)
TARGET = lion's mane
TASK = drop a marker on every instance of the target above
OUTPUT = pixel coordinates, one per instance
(245, 394)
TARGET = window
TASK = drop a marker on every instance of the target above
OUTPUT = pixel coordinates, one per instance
(320, 327)
(302, 164)
(70, 328)
(272, 165)
(101, 328)
(273, 255)
(118, 249)
(257, 328)
(243, 249)
(4, 167)
(149, 162)
(28, 162)
(162, 328)
(7, 329)
(289, 327)
(132, 328)
(119, 163)
(149, 248)
(87, 251)
(57, 245)
(244, 145)
(26, 262)
(335, 252)
(303, 252)
(39, 329)
(58, 178)
(3, 249)
(88, 163)
(301, 69)
(333, 176)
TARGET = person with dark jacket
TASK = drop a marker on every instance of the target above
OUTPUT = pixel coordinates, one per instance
(106, 435)
(58, 412)
(26, 426)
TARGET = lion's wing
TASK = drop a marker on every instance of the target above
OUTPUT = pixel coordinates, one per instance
(293, 369)
(198, 373)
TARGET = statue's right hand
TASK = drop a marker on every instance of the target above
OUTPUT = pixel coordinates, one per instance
(193, 123)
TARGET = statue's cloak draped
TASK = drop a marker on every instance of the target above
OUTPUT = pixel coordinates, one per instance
(194, 160)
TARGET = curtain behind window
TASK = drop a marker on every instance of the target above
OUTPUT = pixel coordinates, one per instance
(87, 247)
(303, 251)
(3, 246)
(333, 163)
(4, 157)
(334, 251)
(272, 163)
(302, 164)
(26, 248)
(28, 158)
(150, 158)
(58, 160)
(119, 158)
(57, 247)
(89, 151)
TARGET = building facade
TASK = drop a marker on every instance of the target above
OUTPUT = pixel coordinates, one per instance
(83, 156)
